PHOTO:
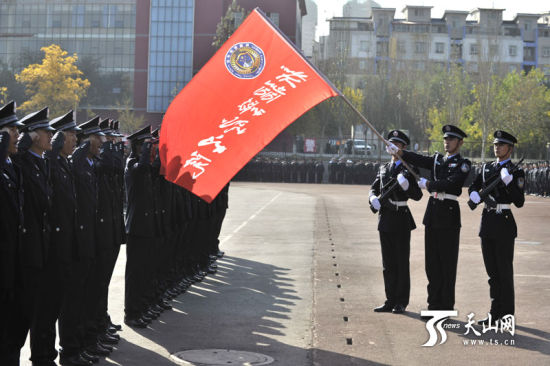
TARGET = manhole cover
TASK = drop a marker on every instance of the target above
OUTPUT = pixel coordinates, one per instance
(218, 357)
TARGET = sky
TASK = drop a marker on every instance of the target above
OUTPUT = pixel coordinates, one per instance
(329, 8)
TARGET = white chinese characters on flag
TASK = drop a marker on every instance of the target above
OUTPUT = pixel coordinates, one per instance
(247, 93)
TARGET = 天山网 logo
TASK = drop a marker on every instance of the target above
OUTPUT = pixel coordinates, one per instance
(245, 60)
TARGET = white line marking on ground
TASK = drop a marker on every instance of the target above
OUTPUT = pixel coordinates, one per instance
(250, 218)
(531, 275)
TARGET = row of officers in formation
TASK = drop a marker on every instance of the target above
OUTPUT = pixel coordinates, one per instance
(347, 171)
(495, 185)
(63, 190)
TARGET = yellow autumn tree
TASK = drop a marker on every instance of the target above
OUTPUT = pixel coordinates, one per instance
(3, 95)
(55, 83)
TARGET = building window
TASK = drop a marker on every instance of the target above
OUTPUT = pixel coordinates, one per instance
(420, 47)
(493, 50)
(527, 26)
(364, 46)
(439, 47)
(529, 53)
(362, 64)
(474, 49)
(546, 52)
(274, 18)
(454, 23)
(170, 51)
(401, 47)
(512, 51)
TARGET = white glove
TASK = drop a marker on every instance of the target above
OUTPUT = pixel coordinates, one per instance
(375, 202)
(474, 196)
(392, 149)
(403, 182)
(505, 176)
(422, 183)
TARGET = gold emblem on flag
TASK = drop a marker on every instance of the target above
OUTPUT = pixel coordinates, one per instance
(245, 60)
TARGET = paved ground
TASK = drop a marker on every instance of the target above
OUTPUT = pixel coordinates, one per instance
(303, 272)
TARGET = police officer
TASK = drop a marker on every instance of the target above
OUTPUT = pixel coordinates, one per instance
(81, 318)
(442, 217)
(35, 239)
(395, 223)
(319, 171)
(142, 229)
(11, 223)
(61, 258)
(498, 228)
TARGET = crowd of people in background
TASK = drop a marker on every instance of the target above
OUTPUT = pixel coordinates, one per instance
(342, 170)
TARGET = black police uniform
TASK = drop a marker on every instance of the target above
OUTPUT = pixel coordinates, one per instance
(141, 228)
(395, 223)
(11, 223)
(35, 240)
(442, 220)
(498, 230)
(59, 267)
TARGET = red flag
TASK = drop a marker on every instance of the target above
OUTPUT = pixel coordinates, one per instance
(253, 87)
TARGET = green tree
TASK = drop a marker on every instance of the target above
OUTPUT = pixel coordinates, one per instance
(522, 108)
(55, 83)
(228, 23)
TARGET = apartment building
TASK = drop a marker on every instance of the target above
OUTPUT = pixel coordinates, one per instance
(473, 39)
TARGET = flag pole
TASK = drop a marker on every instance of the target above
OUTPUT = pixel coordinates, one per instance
(378, 134)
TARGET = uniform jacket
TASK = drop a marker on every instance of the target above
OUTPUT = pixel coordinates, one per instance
(395, 218)
(63, 217)
(106, 198)
(140, 215)
(11, 221)
(494, 224)
(35, 238)
(447, 176)
(86, 199)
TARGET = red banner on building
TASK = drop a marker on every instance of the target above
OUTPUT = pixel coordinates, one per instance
(253, 87)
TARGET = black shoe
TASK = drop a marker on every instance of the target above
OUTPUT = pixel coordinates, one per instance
(185, 282)
(77, 360)
(383, 309)
(115, 336)
(220, 254)
(98, 350)
(135, 323)
(111, 330)
(116, 326)
(171, 293)
(148, 315)
(104, 346)
(154, 312)
(108, 339)
(88, 357)
(180, 289)
(211, 270)
(213, 265)
(158, 308)
(165, 305)
(398, 309)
